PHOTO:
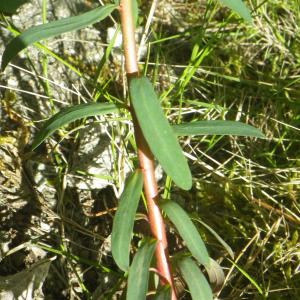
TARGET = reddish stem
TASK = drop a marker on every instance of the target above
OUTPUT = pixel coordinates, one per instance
(146, 162)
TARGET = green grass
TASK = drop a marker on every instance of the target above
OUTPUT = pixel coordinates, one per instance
(206, 64)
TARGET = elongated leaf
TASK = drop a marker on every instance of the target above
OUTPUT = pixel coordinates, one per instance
(71, 114)
(11, 6)
(135, 12)
(124, 220)
(239, 7)
(187, 230)
(215, 274)
(253, 282)
(158, 132)
(139, 272)
(220, 240)
(163, 294)
(45, 31)
(197, 283)
(217, 127)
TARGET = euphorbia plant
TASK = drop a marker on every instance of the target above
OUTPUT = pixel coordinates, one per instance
(156, 139)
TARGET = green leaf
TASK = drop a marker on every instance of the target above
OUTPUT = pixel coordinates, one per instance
(215, 274)
(139, 272)
(197, 283)
(220, 240)
(239, 7)
(163, 294)
(44, 31)
(124, 220)
(11, 6)
(217, 127)
(158, 132)
(71, 114)
(253, 282)
(135, 12)
(187, 230)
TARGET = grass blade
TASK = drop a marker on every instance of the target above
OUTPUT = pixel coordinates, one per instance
(124, 220)
(196, 281)
(71, 114)
(139, 272)
(158, 132)
(217, 127)
(220, 240)
(239, 7)
(253, 282)
(10, 6)
(44, 31)
(187, 230)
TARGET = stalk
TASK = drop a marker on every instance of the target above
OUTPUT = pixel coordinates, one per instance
(145, 157)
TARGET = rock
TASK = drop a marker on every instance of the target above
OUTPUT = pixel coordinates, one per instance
(25, 285)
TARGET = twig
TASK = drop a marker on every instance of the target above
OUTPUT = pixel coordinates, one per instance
(145, 157)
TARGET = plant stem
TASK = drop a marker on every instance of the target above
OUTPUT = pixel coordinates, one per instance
(146, 162)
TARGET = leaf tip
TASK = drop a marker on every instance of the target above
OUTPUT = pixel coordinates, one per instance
(261, 135)
(34, 146)
(187, 184)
